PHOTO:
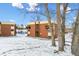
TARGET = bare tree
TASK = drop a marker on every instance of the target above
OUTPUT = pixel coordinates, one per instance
(59, 20)
(61, 25)
(75, 39)
(65, 5)
(50, 24)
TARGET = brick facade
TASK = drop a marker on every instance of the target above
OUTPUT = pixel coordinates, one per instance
(41, 30)
(7, 29)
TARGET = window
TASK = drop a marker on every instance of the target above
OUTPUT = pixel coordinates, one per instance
(0, 22)
(49, 33)
(28, 32)
(0, 29)
(28, 27)
(46, 27)
(12, 27)
(12, 32)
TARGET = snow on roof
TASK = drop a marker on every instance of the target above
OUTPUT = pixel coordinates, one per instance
(41, 22)
(8, 23)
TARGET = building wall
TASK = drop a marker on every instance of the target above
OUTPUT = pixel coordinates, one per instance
(42, 30)
(31, 31)
(8, 30)
(0, 29)
(45, 32)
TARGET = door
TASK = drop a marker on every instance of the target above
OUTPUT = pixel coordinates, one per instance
(37, 30)
(37, 34)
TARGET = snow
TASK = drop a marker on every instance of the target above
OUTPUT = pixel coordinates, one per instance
(30, 46)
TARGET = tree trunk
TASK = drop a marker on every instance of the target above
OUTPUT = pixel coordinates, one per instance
(61, 26)
(50, 24)
(75, 39)
(59, 21)
(63, 21)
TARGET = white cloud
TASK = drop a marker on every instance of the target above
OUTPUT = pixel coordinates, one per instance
(32, 7)
(68, 8)
(11, 20)
(33, 4)
(18, 5)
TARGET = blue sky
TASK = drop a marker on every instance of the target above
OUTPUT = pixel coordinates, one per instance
(15, 14)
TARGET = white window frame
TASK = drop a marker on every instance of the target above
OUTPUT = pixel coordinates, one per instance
(12, 32)
(12, 27)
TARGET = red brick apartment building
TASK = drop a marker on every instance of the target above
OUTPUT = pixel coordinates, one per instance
(0, 28)
(7, 29)
(41, 29)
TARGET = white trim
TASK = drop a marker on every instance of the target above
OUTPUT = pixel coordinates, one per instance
(41, 22)
(49, 33)
(8, 23)
(28, 32)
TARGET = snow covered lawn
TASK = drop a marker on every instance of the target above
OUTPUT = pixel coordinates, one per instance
(29, 46)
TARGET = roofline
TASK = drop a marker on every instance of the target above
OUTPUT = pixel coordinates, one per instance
(12, 23)
(41, 22)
